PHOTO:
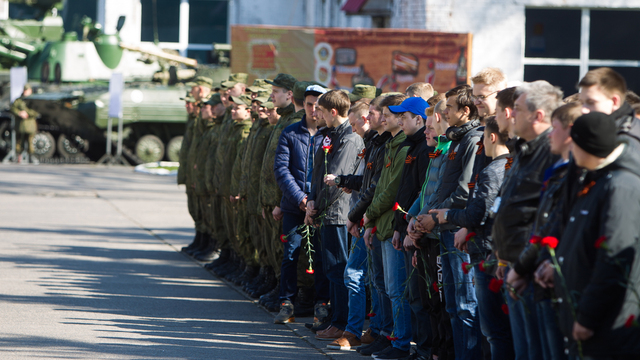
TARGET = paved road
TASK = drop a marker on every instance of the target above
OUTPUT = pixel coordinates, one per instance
(90, 268)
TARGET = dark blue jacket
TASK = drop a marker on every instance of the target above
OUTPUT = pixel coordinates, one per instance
(292, 164)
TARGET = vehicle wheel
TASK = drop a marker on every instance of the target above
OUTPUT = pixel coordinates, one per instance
(173, 148)
(72, 146)
(44, 72)
(44, 145)
(149, 149)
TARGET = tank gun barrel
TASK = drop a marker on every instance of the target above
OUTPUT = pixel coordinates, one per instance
(161, 54)
(15, 50)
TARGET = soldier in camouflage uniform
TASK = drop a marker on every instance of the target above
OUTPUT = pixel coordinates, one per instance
(270, 194)
(200, 89)
(26, 124)
(260, 88)
(192, 112)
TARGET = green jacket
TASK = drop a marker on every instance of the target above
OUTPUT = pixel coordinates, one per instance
(184, 150)
(192, 155)
(380, 211)
(210, 164)
(270, 193)
(249, 187)
(202, 156)
(233, 142)
(223, 146)
(28, 125)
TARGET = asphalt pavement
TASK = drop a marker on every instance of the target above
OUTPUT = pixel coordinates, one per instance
(90, 268)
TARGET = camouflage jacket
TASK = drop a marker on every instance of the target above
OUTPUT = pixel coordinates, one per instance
(28, 125)
(192, 155)
(223, 144)
(210, 164)
(249, 188)
(270, 193)
(184, 150)
(237, 169)
(230, 144)
(199, 170)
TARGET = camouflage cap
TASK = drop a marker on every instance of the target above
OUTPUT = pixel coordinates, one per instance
(259, 85)
(242, 100)
(268, 105)
(201, 81)
(361, 91)
(284, 81)
(234, 79)
(214, 100)
(299, 88)
(263, 93)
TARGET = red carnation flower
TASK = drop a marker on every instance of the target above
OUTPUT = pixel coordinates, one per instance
(481, 266)
(375, 228)
(630, 321)
(549, 241)
(396, 206)
(436, 287)
(495, 285)
(505, 309)
(405, 216)
(309, 271)
(466, 267)
(371, 315)
(601, 242)
(470, 236)
(283, 238)
(361, 222)
(535, 239)
(392, 338)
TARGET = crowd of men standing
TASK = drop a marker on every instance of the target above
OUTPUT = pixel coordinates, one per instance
(486, 222)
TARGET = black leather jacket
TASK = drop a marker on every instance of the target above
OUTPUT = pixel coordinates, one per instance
(520, 197)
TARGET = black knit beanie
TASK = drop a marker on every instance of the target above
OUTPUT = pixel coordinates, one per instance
(595, 133)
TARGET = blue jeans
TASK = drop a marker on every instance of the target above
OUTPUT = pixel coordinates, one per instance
(289, 267)
(550, 335)
(524, 326)
(382, 323)
(335, 244)
(420, 319)
(354, 280)
(395, 277)
(461, 302)
(494, 323)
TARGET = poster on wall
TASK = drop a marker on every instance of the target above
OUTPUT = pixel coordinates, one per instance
(390, 59)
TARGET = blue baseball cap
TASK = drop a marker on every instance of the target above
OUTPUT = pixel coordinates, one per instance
(415, 105)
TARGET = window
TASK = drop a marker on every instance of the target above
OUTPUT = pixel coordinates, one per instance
(167, 16)
(207, 21)
(561, 45)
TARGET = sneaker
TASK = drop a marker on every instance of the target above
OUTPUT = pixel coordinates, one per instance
(415, 356)
(390, 353)
(320, 311)
(346, 342)
(379, 344)
(368, 337)
(286, 313)
(329, 334)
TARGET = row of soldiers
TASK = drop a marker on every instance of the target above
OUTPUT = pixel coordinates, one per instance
(226, 162)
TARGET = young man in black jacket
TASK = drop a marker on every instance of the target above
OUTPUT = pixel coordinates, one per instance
(599, 250)
(516, 206)
(412, 117)
(476, 220)
(327, 206)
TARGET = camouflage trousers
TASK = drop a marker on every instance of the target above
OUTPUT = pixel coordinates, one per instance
(195, 210)
(228, 212)
(204, 202)
(216, 224)
(246, 249)
(271, 240)
(256, 231)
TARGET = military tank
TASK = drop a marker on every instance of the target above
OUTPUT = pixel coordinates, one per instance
(71, 76)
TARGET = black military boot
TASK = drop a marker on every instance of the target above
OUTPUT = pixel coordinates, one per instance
(269, 283)
(232, 276)
(228, 267)
(194, 244)
(209, 252)
(225, 255)
(249, 273)
(252, 285)
(271, 300)
(304, 301)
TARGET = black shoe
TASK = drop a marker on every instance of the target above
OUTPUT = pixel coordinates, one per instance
(304, 301)
(320, 325)
(380, 344)
(390, 353)
(249, 273)
(202, 246)
(273, 296)
(225, 255)
(256, 282)
(194, 244)
(209, 253)
(415, 356)
(269, 284)
(231, 277)
(228, 267)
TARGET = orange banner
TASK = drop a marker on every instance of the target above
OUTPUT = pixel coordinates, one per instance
(390, 59)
